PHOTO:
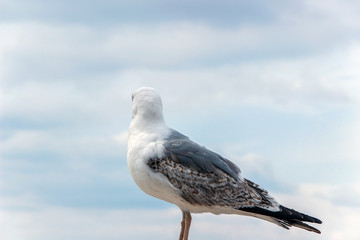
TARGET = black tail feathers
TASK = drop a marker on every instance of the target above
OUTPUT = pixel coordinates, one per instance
(286, 217)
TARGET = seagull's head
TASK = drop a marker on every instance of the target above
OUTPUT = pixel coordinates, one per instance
(147, 105)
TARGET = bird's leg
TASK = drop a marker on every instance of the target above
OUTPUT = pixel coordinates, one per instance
(187, 225)
(182, 225)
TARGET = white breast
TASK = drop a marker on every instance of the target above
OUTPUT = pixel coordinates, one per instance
(141, 147)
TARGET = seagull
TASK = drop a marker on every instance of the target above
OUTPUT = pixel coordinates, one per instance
(167, 165)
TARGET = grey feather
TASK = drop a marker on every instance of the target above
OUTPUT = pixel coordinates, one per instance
(192, 155)
(210, 188)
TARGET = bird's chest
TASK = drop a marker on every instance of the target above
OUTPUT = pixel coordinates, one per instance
(140, 150)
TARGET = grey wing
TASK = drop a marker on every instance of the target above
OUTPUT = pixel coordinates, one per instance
(194, 156)
(206, 178)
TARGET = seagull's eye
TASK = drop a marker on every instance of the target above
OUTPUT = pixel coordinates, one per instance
(132, 97)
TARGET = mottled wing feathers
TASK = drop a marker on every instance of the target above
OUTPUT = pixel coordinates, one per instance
(266, 199)
(205, 178)
(196, 157)
(214, 188)
(219, 189)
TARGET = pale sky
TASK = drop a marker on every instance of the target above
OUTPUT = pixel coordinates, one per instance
(273, 86)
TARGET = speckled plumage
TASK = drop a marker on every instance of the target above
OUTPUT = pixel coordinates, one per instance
(168, 165)
(212, 189)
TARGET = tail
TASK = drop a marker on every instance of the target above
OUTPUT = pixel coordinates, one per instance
(285, 217)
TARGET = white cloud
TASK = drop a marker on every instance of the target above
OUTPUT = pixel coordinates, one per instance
(307, 85)
(349, 139)
(331, 204)
(61, 223)
(64, 105)
(250, 163)
(340, 12)
(339, 222)
(72, 82)
(122, 139)
(60, 49)
(345, 195)
(199, 60)
(36, 141)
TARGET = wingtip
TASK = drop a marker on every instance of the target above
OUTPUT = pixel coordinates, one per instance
(318, 221)
(316, 231)
(299, 224)
(314, 220)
